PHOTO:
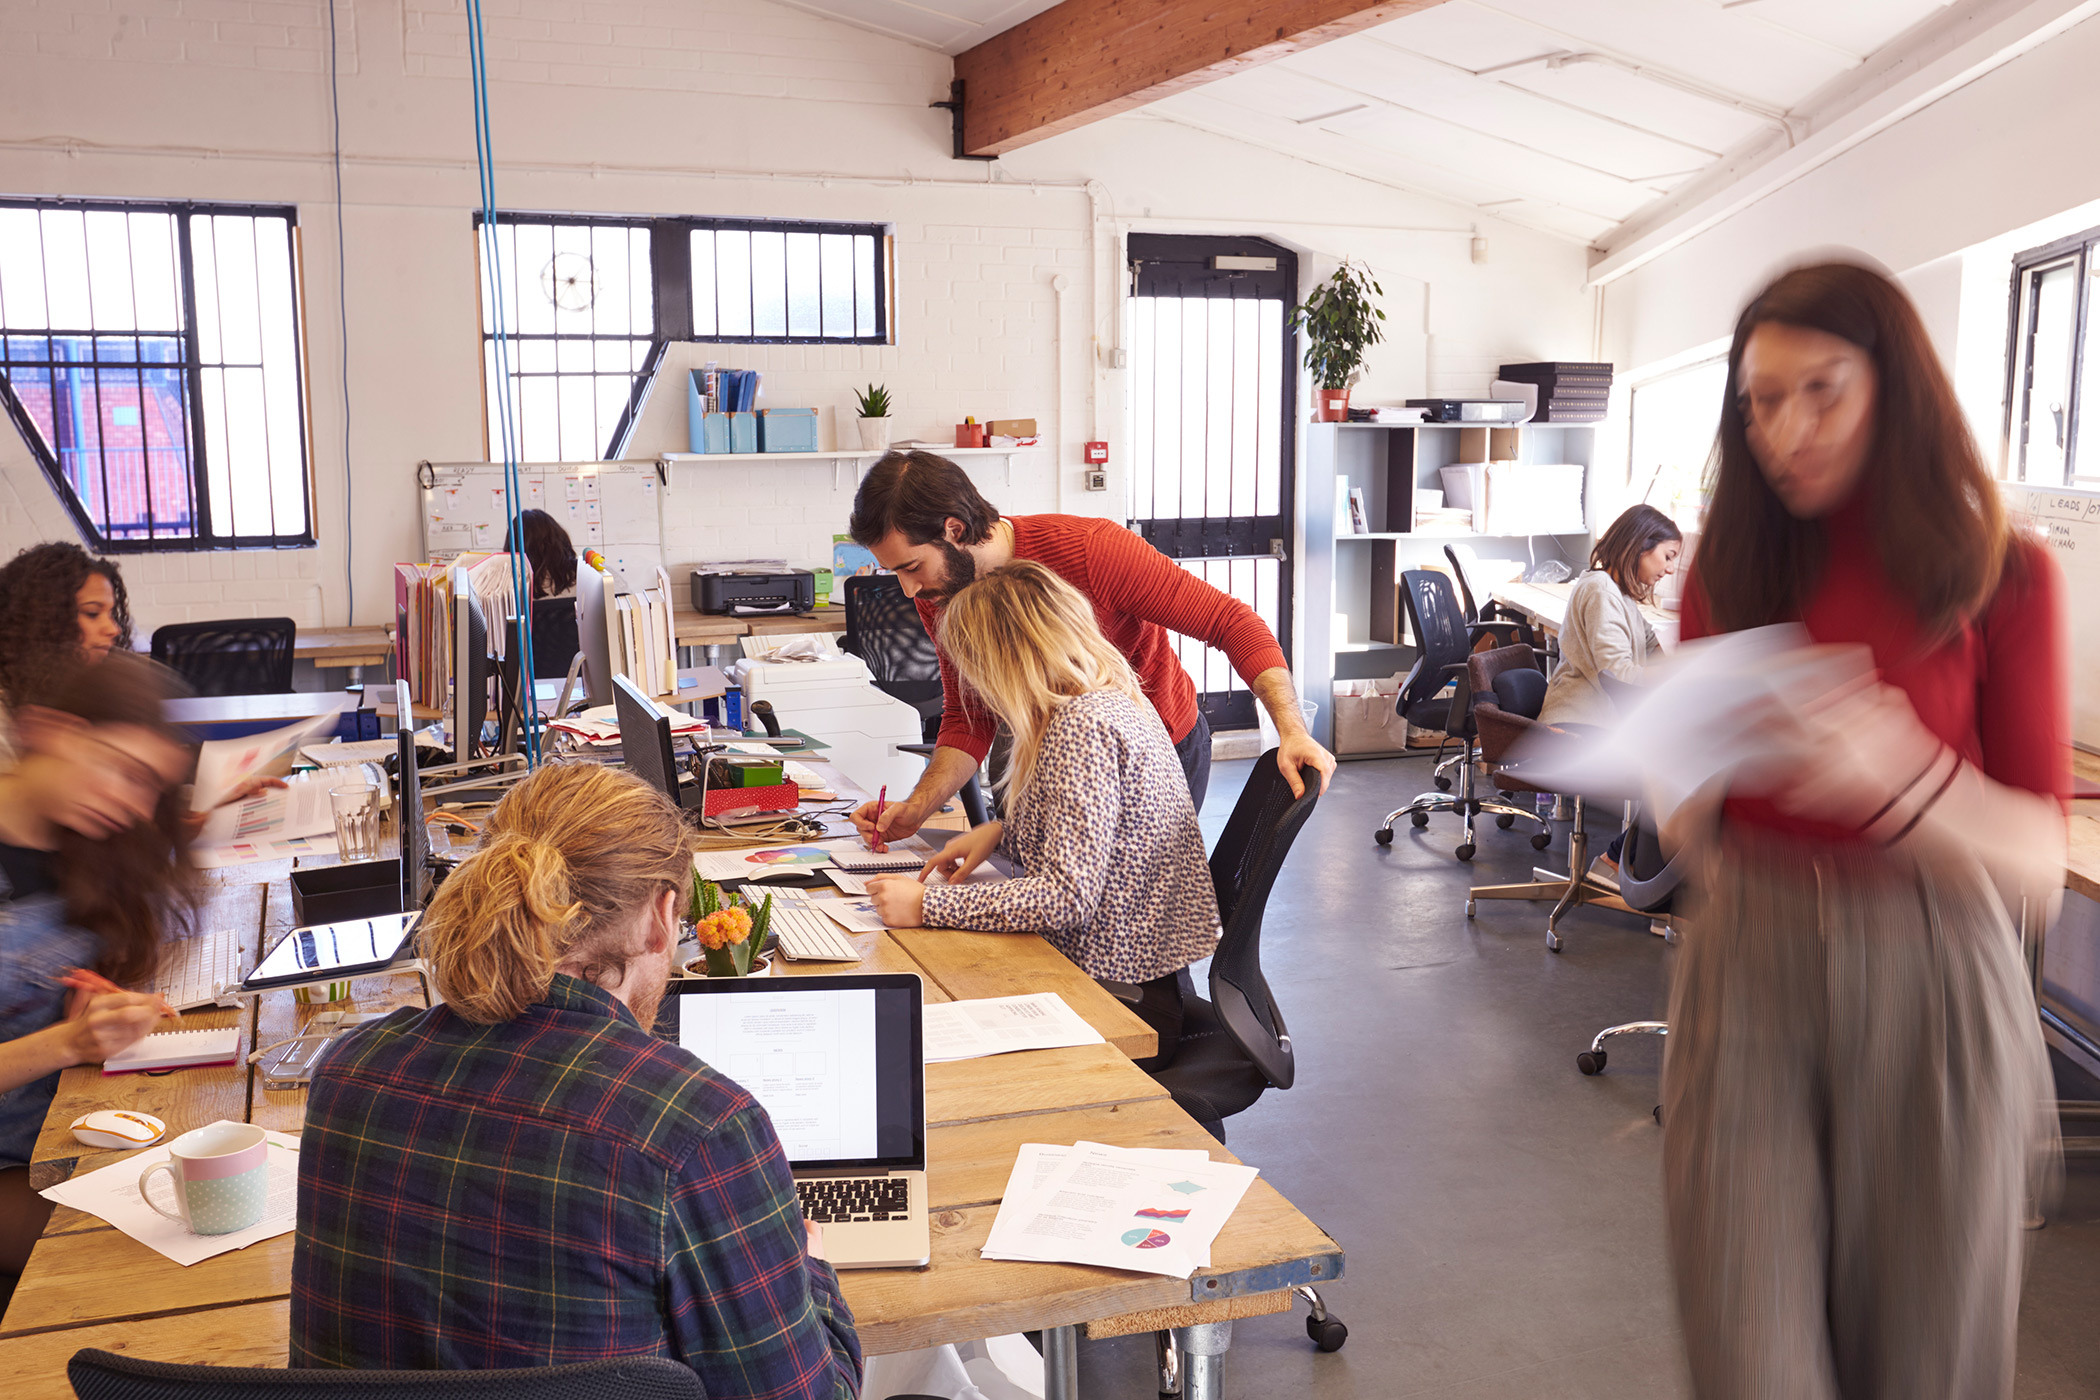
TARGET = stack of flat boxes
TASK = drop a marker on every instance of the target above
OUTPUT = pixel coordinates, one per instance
(1569, 391)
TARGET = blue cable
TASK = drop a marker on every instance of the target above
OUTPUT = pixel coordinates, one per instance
(520, 571)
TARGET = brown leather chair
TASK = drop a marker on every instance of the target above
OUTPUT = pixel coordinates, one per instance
(1511, 689)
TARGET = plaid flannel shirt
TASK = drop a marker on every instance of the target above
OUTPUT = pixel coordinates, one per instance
(557, 1188)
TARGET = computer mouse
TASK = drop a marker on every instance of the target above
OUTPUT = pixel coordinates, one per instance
(118, 1128)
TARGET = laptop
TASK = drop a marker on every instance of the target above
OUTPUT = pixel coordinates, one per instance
(839, 1065)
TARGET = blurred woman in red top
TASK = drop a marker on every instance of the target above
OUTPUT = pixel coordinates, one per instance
(1854, 1083)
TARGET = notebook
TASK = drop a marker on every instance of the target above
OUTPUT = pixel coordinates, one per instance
(178, 1050)
(879, 862)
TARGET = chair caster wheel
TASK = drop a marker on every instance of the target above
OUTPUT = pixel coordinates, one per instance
(1552, 941)
(1420, 819)
(1384, 835)
(1505, 820)
(1464, 852)
(1327, 1333)
(1591, 1061)
(1540, 840)
(1443, 785)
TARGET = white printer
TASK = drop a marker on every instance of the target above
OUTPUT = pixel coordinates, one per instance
(830, 695)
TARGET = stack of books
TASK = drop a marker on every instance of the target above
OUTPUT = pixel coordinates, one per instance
(1569, 391)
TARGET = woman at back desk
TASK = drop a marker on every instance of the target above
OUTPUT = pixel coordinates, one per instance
(1101, 825)
(1605, 633)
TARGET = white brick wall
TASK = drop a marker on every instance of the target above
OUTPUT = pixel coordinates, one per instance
(676, 106)
(282, 35)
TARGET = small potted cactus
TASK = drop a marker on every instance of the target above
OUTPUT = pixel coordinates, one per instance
(733, 933)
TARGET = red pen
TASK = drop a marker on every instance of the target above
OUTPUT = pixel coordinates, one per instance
(882, 800)
(82, 979)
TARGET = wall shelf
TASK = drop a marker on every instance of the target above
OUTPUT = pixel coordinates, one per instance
(724, 459)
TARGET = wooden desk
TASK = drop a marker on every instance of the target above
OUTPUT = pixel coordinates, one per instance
(1546, 604)
(88, 1285)
(698, 629)
(344, 646)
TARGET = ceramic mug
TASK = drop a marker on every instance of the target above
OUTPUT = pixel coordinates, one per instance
(222, 1178)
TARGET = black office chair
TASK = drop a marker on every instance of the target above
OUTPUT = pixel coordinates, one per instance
(1446, 640)
(555, 638)
(1463, 560)
(972, 794)
(1234, 1045)
(884, 630)
(236, 656)
(1649, 883)
(104, 1375)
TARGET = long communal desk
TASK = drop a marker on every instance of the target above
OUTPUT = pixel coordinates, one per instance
(1546, 604)
(89, 1285)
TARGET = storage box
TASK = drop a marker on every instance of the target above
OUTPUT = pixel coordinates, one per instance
(713, 434)
(751, 771)
(1011, 427)
(743, 432)
(338, 894)
(1368, 723)
(787, 430)
(784, 797)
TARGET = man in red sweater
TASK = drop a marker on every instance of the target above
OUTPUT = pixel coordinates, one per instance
(926, 523)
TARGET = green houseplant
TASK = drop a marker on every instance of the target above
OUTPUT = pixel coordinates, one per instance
(1340, 322)
(874, 405)
(733, 931)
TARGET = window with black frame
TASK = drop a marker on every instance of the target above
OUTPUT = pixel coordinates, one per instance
(2052, 392)
(149, 356)
(590, 304)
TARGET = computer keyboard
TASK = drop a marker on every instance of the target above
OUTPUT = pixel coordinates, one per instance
(804, 935)
(201, 970)
(839, 1198)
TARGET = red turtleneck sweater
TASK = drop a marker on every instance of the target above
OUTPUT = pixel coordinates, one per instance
(1998, 691)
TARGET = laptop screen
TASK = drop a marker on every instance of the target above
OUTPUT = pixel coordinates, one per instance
(837, 1062)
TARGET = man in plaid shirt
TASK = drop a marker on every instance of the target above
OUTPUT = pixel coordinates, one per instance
(525, 1176)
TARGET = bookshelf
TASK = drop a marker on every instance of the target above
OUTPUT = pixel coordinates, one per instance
(1353, 625)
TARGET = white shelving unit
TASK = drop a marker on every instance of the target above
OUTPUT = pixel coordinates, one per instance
(1353, 623)
(725, 459)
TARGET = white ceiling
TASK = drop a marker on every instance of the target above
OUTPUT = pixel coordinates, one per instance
(1568, 116)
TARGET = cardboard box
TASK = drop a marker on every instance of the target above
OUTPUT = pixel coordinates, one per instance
(1011, 427)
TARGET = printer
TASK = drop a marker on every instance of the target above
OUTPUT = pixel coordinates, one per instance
(756, 593)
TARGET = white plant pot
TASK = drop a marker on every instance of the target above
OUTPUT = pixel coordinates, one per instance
(874, 434)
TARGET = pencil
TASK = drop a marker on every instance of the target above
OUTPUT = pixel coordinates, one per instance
(83, 979)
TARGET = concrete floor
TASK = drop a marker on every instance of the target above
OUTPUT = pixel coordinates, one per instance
(1500, 1210)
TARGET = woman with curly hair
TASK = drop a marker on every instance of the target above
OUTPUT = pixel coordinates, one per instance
(64, 605)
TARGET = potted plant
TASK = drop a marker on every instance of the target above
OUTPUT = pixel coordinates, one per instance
(874, 404)
(733, 932)
(1340, 322)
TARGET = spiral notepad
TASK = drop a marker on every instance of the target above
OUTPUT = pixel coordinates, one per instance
(879, 862)
(178, 1050)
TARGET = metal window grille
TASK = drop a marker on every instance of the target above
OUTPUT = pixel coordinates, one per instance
(591, 304)
(149, 356)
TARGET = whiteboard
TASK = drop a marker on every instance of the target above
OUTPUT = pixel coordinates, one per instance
(2070, 524)
(615, 508)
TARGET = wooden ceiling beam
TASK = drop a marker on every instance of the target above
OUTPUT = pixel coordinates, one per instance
(1083, 60)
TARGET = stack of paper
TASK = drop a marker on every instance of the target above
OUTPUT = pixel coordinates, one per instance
(809, 856)
(112, 1194)
(223, 765)
(1150, 1210)
(424, 617)
(970, 1030)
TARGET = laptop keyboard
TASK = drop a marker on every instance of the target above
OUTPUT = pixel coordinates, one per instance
(853, 1198)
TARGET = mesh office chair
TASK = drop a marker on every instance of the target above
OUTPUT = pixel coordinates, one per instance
(1234, 1045)
(236, 656)
(883, 629)
(1493, 625)
(1446, 639)
(555, 637)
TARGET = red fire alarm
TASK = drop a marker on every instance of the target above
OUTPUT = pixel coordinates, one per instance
(1097, 454)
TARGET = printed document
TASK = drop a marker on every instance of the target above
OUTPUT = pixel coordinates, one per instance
(808, 1059)
(969, 1030)
(224, 764)
(112, 1194)
(297, 809)
(808, 855)
(1120, 1208)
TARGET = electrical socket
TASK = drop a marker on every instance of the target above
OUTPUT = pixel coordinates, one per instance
(1097, 480)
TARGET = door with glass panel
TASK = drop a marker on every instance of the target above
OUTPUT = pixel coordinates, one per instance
(1209, 398)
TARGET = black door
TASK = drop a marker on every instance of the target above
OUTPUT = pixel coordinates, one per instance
(1211, 392)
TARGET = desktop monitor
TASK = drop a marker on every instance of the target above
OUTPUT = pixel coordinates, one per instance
(408, 812)
(470, 668)
(645, 738)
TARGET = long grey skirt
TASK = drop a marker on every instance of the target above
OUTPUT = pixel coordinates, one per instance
(1854, 1126)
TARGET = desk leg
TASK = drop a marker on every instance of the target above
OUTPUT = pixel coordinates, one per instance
(1061, 1363)
(1203, 1350)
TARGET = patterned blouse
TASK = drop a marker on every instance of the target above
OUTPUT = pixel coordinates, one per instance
(1113, 870)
